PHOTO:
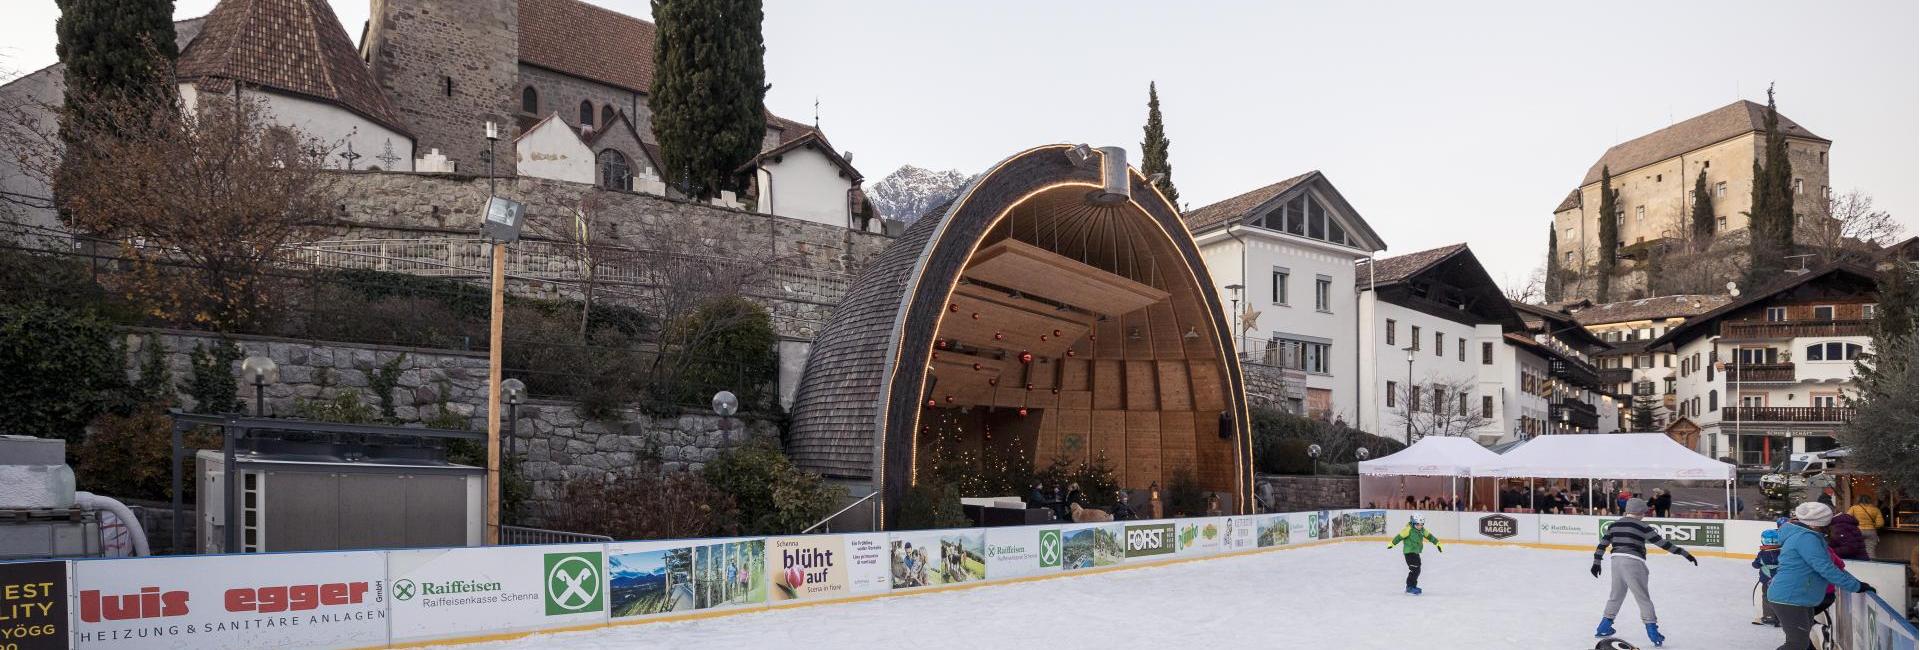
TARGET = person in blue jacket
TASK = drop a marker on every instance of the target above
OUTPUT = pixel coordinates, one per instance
(1806, 569)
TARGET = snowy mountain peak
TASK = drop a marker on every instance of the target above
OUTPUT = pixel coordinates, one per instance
(911, 191)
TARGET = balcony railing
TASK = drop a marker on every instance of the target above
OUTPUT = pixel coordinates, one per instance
(1576, 372)
(1786, 329)
(1616, 376)
(1817, 414)
(1575, 413)
(1759, 372)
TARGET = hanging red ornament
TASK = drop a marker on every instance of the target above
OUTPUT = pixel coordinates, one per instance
(1089, 337)
(931, 403)
(1043, 338)
(936, 356)
(1069, 352)
(976, 366)
(976, 315)
(1029, 386)
(1056, 391)
(993, 381)
(949, 399)
(1056, 332)
(1026, 357)
(1023, 411)
(997, 336)
(953, 306)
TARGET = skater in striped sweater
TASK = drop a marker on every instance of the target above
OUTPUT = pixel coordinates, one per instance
(1629, 537)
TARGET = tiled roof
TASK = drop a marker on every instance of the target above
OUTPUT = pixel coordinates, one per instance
(813, 139)
(292, 46)
(1394, 269)
(1679, 306)
(1236, 207)
(789, 129)
(1691, 329)
(1572, 201)
(586, 41)
(1692, 133)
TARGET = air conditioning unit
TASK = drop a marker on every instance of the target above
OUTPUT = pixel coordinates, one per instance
(309, 496)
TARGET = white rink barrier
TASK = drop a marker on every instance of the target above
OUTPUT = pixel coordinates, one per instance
(407, 597)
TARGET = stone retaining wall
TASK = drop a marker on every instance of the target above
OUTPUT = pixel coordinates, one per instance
(1297, 493)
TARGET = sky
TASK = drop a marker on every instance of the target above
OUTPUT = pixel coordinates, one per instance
(1440, 122)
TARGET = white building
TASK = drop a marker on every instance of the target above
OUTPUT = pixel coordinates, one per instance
(1630, 368)
(1766, 375)
(1291, 248)
(1578, 397)
(805, 178)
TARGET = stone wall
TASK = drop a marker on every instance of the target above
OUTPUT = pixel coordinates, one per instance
(1275, 386)
(553, 442)
(448, 67)
(1297, 493)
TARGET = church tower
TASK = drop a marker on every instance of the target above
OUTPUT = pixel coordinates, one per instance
(449, 66)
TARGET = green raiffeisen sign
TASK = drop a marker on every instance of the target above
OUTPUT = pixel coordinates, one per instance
(1683, 533)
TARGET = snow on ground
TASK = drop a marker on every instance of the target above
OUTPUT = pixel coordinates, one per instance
(1342, 595)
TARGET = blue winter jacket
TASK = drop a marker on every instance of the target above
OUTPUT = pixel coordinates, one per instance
(1806, 569)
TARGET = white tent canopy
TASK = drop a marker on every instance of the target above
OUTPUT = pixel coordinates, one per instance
(1432, 456)
(1605, 456)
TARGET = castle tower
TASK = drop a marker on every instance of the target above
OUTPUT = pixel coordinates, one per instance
(448, 66)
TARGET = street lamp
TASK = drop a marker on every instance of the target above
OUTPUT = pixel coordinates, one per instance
(513, 390)
(1313, 452)
(259, 370)
(1411, 395)
(500, 222)
(1233, 290)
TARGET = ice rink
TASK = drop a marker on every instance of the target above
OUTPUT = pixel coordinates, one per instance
(1342, 595)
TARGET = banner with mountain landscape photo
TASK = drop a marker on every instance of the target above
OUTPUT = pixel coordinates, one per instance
(649, 578)
(1085, 546)
(730, 573)
(925, 558)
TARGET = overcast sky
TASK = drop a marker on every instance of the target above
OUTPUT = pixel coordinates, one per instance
(1440, 121)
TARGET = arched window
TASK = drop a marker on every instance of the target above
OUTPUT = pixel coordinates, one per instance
(606, 116)
(530, 100)
(1713, 400)
(586, 114)
(614, 174)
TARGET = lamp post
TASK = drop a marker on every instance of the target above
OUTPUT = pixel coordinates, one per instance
(1313, 452)
(725, 405)
(259, 370)
(513, 390)
(1233, 290)
(1411, 395)
(501, 223)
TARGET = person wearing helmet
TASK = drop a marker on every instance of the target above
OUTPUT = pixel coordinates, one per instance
(1411, 540)
(1629, 537)
(1807, 571)
(1767, 561)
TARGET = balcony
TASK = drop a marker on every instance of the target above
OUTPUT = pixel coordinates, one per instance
(1616, 376)
(1754, 373)
(1576, 372)
(1798, 414)
(1786, 329)
(1574, 413)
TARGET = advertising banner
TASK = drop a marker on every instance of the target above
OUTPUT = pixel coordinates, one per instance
(1359, 523)
(1682, 532)
(1443, 524)
(730, 573)
(649, 578)
(1240, 532)
(1016, 551)
(1866, 622)
(938, 557)
(1202, 536)
(1572, 530)
(1092, 545)
(301, 600)
(446, 593)
(807, 568)
(1500, 527)
(1273, 530)
(867, 563)
(33, 606)
(1151, 540)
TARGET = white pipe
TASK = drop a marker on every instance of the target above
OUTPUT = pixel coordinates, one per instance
(91, 501)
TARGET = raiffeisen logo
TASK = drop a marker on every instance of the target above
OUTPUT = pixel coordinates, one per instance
(405, 590)
(151, 602)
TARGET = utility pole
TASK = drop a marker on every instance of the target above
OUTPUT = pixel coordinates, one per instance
(501, 224)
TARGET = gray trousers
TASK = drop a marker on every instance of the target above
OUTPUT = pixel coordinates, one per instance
(1630, 574)
(1796, 623)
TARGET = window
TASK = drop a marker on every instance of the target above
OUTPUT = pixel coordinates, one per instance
(1413, 399)
(1463, 405)
(1671, 386)
(1752, 401)
(1392, 388)
(1713, 401)
(1297, 215)
(586, 115)
(1323, 294)
(1486, 406)
(1825, 400)
(1415, 337)
(1620, 218)
(1823, 157)
(614, 174)
(1797, 189)
(1666, 360)
(1720, 190)
(1823, 312)
(1439, 400)
(1439, 344)
(1312, 357)
(1867, 310)
(448, 83)
(606, 116)
(1748, 356)
(1280, 286)
(1486, 353)
(1659, 177)
(1705, 164)
(1640, 214)
(1569, 257)
(1463, 349)
(1316, 220)
(1643, 361)
(1833, 351)
(530, 100)
(1776, 314)
(1720, 222)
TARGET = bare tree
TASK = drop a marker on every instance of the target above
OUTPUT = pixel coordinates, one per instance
(1440, 406)
(1844, 228)
(1530, 290)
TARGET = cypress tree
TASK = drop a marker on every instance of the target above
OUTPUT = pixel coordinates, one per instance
(1702, 213)
(1553, 264)
(1770, 223)
(1609, 237)
(709, 85)
(1153, 149)
(113, 49)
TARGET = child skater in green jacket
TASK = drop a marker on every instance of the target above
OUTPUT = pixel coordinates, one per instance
(1410, 540)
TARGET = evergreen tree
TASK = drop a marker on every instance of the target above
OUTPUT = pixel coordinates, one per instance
(1641, 414)
(1153, 149)
(1703, 222)
(1881, 434)
(1609, 238)
(709, 83)
(1770, 223)
(1553, 265)
(113, 49)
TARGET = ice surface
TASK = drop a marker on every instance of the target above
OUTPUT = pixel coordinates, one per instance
(1341, 595)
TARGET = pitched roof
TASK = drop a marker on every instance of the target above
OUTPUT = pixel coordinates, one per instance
(1677, 306)
(1690, 330)
(1236, 207)
(291, 46)
(1572, 201)
(589, 42)
(789, 129)
(1713, 126)
(811, 140)
(1392, 270)
(1557, 324)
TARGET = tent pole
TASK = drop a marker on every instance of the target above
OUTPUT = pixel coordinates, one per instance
(1531, 505)
(1453, 491)
(1589, 497)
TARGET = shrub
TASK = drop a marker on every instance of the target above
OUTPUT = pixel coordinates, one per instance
(129, 455)
(1184, 496)
(344, 407)
(61, 366)
(727, 344)
(931, 504)
(1281, 439)
(773, 496)
(644, 502)
(213, 385)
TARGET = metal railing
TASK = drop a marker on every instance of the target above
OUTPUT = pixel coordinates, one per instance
(1823, 414)
(837, 513)
(510, 535)
(1786, 329)
(1754, 372)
